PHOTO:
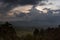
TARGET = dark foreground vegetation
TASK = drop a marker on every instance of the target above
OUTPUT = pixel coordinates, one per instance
(8, 32)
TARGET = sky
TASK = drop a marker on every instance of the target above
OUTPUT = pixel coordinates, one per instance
(37, 11)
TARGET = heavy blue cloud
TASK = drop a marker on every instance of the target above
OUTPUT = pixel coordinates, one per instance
(21, 2)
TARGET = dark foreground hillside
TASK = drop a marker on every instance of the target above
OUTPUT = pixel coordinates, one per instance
(8, 32)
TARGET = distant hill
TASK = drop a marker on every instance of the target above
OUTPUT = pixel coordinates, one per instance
(31, 24)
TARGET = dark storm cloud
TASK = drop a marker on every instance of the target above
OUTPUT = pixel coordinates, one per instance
(42, 4)
(4, 8)
(22, 2)
(7, 5)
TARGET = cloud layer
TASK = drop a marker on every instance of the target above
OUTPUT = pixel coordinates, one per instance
(7, 5)
(22, 10)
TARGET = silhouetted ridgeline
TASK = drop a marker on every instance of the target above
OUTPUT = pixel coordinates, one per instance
(8, 32)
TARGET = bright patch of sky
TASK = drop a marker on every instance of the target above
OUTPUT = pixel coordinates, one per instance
(51, 4)
(55, 4)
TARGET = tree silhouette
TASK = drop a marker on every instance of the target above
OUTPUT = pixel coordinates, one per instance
(42, 32)
(59, 26)
(35, 34)
(7, 31)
